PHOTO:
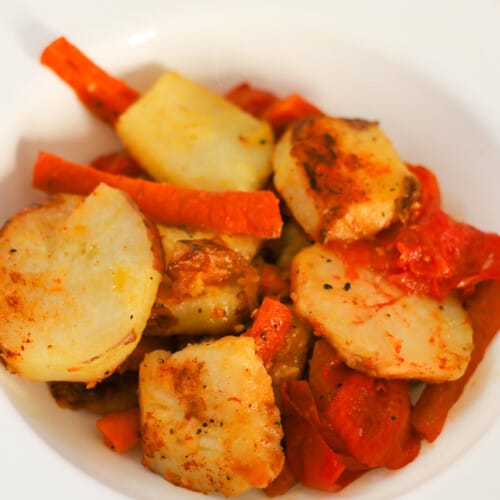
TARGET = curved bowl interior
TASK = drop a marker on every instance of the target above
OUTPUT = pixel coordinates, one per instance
(427, 125)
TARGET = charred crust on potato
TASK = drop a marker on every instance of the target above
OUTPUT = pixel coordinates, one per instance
(360, 123)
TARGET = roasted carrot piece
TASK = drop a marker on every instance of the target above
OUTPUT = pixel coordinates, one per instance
(431, 410)
(232, 212)
(120, 430)
(271, 324)
(250, 99)
(105, 96)
(283, 112)
(118, 162)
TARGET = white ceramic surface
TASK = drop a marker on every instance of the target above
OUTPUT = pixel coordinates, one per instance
(429, 71)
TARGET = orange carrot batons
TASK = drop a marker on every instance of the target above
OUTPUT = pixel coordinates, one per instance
(105, 96)
(231, 212)
(272, 323)
(120, 430)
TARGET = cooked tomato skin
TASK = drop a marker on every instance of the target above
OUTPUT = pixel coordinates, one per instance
(433, 254)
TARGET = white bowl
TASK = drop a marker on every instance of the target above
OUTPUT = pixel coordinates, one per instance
(428, 72)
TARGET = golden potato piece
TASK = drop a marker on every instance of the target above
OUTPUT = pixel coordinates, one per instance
(182, 133)
(341, 179)
(377, 328)
(246, 245)
(206, 289)
(78, 278)
(209, 420)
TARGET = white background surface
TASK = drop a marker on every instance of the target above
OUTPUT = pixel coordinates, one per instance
(429, 70)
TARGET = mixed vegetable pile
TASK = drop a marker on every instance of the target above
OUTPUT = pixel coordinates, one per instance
(250, 290)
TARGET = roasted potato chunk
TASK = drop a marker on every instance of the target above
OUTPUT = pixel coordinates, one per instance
(206, 289)
(200, 430)
(341, 179)
(248, 246)
(375, 326)
(78, 278)
(182, 133)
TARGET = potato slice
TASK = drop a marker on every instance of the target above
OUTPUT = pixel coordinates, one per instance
(78, 278)
(342, 179)
(375, 326)
(182, 133)
(209, 420)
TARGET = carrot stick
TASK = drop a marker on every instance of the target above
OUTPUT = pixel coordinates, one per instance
(105, 96)
(231, 212)
(271, 324)
(120, 430)
(431, 410)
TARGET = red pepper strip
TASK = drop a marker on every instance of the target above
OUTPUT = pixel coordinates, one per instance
(281, 113)
(310, 459)
(282, 483)
(105, 96)
(250, 99)
(119, 163)
(321, 466)
(299, 401)
(372, 416)
(431, 410)
(406, 447)
(272, 323)
(327, 373)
